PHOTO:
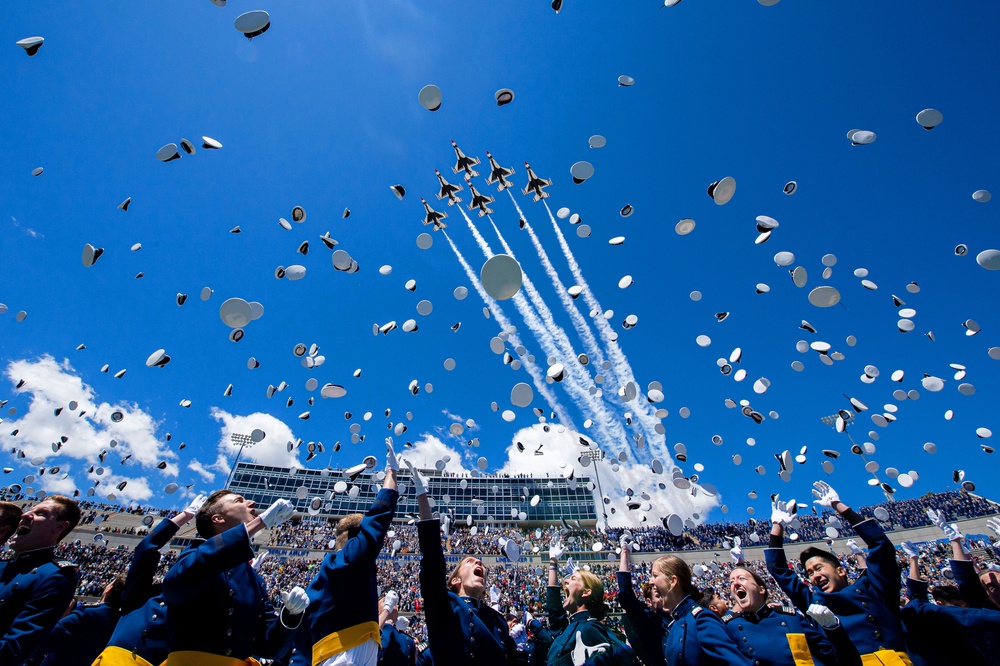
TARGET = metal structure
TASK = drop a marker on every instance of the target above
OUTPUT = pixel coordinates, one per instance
(241, 440)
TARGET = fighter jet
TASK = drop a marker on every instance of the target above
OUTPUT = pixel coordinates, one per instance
(433, 217)
(464, 162)
(498, 174)
(479, 201)
(535, 184)
(448, 190)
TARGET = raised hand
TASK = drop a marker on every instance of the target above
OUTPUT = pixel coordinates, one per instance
(824, 495)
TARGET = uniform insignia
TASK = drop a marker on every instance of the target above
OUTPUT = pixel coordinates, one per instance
(421, 646)
(696, 610)
(64, 564)
(727, 617)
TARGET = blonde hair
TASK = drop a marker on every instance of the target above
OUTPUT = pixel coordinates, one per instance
(595, 602)
(672, 565)
(347, 527)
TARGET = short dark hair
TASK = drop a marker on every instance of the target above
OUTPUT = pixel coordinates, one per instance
(813, 551)
(946, 594)
(707, 597)
(10, 516)
(69, 511)
(203, 521)
(348, 527)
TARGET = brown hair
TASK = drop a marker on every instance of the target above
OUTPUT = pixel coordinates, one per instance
(68, 511)
(647, 590)
(114, 598)
(10, 516)
(203, 521)
(454, 573)
(348, 527)
(672, 565)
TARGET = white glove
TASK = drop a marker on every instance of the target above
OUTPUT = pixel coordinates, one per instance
(446, 525)
(389, 601)
(295, 600)
(939, 520)
(625, 541)
(855, 548)
(259, 560)
(909, 549)
(556, 550)
(824, 616)
(391, 459)
(195, 506)
(736, 552)
(824, 495)
(277, 513)
(419, 482)
(994, 524)
(782, 512)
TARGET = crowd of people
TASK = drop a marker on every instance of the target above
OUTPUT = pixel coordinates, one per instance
(381, 593)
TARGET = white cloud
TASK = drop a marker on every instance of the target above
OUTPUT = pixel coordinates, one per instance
(426, 452)
(88, 431)
(561, 451)
(272, 450)
(202, 471)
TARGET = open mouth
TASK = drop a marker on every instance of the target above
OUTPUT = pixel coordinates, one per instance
(23, 529)
(480, 572)
(740, 593)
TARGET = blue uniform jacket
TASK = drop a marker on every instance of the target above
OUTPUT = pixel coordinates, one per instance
(344, 592)
(868, 608)
(217, 603)
(35, 590)
(78, 638)
(969, 587)
(762, 636)
(460, 630)
(648, 625)
(696, 637)
(397, 649)
(142, 628)
(580, 639)
(948, 634)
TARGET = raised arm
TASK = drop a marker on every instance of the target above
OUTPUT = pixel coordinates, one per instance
(783, 513)
(183, 583)
(553, 591)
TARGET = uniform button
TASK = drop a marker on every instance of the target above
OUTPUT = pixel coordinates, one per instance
(740, 627)
(154, 616)
(229, 574)
(750, 650)
(878, 634)
(230, 611)
(229, 632)
(871, 618)
(228, 652)
(744, 639)
(784, 624)
(232, 592)
(35, 570)
(865, 604)
(162, 604)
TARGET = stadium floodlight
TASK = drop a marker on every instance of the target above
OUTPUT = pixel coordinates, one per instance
(598, 455)
(241, 440)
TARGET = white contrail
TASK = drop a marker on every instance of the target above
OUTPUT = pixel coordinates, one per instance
(622, 369)
(538, 379)
(541, 334)
(551, 335)
(579, 321)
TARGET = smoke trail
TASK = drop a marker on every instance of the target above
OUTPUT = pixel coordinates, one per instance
(620, 364)
(579, 381)
(579, 322)
(536, 375)
(581, 397)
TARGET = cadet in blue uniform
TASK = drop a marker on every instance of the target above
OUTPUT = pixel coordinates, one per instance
(140, 637)
(979, 590)
(868, 608)
(645, 626)
(461, 628)
(80, 636)
(341, 625)
(946, 634)
(397, 649)
(35, 587)
(695, 636)
(579, 638)
(539, 642)
(218, 610)
(781, 635)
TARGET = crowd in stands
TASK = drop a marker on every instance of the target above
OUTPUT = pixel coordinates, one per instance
(521, 587)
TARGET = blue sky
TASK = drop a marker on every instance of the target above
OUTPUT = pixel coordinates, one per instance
(321, 111)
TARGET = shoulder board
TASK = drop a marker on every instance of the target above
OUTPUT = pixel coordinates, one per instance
(696, 609)
(786, 610)
(728, 616)
(421, 646)
(64, 564)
